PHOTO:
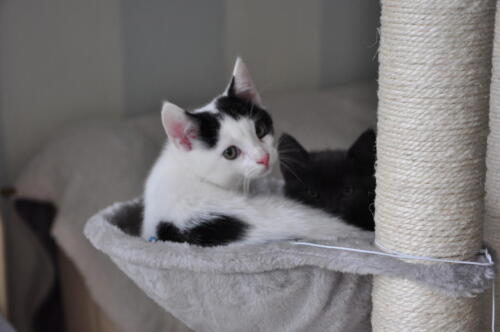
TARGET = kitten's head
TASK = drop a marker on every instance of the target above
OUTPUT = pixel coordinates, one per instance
(341, 182)
(228, 139)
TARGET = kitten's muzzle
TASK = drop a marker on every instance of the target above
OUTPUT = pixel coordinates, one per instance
(264, 160)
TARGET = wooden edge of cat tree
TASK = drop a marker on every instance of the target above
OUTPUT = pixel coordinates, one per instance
(492, 199)
(434, 79)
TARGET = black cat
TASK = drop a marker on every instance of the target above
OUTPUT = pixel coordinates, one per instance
(340, 182)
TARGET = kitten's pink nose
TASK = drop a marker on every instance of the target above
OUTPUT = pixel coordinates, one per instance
(264, 160)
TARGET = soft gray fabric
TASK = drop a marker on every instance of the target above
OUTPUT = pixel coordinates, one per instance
(277, 286)
(98, 162)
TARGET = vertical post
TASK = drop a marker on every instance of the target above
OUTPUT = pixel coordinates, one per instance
(434, 75)
(492, 200)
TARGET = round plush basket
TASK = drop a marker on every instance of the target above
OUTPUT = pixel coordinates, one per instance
(279, 286)
(267, 287)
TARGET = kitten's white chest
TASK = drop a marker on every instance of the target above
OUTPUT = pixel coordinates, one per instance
(172, 194)
(163, 197)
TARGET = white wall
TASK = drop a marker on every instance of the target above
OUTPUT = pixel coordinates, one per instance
(349, 40)
(280, 40)
(61, 60)
(171, 49)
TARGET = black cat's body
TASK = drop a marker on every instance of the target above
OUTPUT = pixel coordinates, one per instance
(340, 182)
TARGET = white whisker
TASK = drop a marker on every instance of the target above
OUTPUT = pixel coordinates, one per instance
(290, 169)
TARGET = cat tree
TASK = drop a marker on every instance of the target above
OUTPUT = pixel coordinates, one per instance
(434, 82)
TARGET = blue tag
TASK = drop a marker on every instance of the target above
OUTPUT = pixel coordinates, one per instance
(153, 239)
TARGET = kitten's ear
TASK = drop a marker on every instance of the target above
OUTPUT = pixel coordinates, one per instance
(180, 128)
(293, 157)
(242, 85)
(363, 149)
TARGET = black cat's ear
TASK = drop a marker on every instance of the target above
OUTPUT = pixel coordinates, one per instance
(363, 149)
(242, 85)
(288, 146)
(293, 156)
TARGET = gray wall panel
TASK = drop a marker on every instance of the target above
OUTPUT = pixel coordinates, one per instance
(3, 160)
(349, 40)
(172, 50)
(279, 40)
(59, 62)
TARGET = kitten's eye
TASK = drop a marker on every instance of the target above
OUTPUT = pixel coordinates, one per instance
(312, 194)
(260, 130)
(347, 191)
(231, 153)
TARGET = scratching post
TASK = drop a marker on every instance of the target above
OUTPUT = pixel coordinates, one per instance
(434, 75)
(492, 200)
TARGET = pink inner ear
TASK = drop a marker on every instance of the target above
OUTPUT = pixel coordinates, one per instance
(183, 135)
(247, 95)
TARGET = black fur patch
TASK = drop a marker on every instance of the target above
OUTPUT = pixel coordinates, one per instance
(216, 231)
(208, 123)
(237, 108)
(208, 127)
(166, 231)
(340, 182)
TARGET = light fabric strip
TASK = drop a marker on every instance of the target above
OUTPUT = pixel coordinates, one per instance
(483, 252)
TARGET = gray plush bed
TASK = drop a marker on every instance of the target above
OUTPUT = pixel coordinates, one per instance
(276, 286)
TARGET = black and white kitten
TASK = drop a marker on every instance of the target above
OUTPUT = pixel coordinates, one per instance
(340, 182)
(194, 191)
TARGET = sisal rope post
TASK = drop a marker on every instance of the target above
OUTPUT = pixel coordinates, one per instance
(434, 76)
(492, 199)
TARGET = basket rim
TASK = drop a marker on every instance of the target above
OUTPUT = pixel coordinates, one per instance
(233, 258)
